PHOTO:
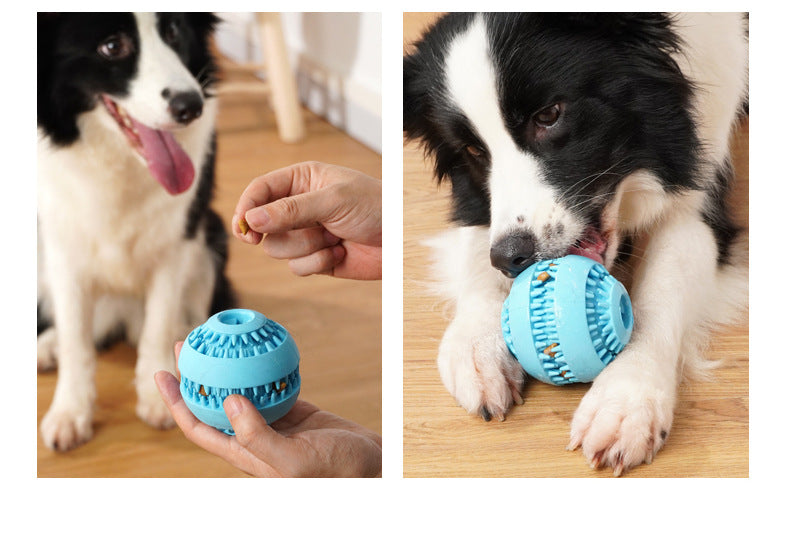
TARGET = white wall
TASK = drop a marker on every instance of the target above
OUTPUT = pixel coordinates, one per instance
(337, 61)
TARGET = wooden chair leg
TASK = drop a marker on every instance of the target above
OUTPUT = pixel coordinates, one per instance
(284, 96)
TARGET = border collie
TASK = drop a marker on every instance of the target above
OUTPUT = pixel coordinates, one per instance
(577, 133)
(127, 242)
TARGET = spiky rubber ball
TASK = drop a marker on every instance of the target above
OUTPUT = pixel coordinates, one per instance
(240, 352)
(565, 319)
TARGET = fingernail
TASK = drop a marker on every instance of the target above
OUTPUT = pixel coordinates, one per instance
(232, 407)
(170, 393)
(257, 217)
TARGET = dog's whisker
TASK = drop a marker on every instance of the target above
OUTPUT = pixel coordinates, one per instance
(603, 195)
(589, 179)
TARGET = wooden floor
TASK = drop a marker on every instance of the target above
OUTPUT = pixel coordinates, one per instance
(710, 433)
(336, 323)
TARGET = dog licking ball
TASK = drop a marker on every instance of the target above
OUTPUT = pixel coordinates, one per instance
(566, 319)
(240, 352)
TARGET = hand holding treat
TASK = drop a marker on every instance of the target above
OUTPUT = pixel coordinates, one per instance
(324, 219)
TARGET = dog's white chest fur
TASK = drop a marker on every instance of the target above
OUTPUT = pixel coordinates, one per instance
(93, 196)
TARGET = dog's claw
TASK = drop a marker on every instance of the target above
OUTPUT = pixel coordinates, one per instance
(574, 443)
(617, 468)
(595, 462)
(485, 414)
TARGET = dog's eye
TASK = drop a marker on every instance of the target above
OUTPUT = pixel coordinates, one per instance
(116, 47)
(545, 118)
(474, 152)
(172, 32)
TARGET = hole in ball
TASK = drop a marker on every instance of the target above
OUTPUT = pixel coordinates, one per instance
(625, 312)
(235, 317)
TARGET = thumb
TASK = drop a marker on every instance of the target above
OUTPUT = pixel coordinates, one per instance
(294, 212)
(253, 433)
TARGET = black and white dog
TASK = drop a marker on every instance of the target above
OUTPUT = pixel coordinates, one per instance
(127, 241)
(573, 133)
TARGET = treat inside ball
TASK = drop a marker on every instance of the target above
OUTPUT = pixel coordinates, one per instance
(565, 319)
(240, 352)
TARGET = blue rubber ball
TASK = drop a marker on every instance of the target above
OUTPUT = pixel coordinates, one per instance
(240, 352)
(565, 319)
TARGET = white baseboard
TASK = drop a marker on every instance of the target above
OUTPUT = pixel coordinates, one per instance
(345, 104)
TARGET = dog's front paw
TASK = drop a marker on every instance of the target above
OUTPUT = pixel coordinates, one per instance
(625, 418)
(64, 427)
(477, 369)
(151, 408)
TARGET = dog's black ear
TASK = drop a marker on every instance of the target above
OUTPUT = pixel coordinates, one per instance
(423, 72)
(47, 23)
(46, 32)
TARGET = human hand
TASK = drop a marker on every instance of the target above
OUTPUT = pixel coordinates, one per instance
(306, 442)
(325, 219)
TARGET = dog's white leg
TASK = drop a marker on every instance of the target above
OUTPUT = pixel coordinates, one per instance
(164, 324)
(111, 313)
(159, 333)
(46, 343)
(67, 424)
(200, 289)
(625, 417)
(474, 362)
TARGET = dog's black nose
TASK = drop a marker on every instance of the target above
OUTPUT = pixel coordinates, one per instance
(185, 107)
(513, 253)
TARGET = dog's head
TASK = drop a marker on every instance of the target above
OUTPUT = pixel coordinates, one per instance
(150, 72)
(537, 120)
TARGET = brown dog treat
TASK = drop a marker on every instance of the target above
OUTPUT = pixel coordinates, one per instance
(543, 276)
(548, 351)
(243, 227)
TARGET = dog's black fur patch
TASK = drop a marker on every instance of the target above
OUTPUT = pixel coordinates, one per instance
(717, 215)
(71, 73)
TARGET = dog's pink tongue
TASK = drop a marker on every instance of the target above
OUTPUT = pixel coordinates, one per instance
(593, 245)
(167, 161)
